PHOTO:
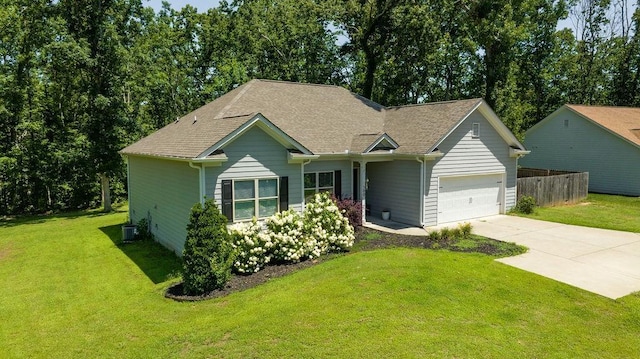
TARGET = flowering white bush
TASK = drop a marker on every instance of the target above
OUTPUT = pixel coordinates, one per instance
(290, 236)
(252, 245)
(327, 225)
(287, 234)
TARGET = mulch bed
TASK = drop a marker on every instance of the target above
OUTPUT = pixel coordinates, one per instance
(238, 283)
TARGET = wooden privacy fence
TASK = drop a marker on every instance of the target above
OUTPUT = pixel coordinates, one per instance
(551, 188)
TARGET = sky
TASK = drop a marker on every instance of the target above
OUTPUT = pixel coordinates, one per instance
(204, 5)
(201, 5)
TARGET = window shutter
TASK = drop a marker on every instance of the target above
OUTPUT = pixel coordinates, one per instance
(337, 184)
(227, 199)
(284, 193)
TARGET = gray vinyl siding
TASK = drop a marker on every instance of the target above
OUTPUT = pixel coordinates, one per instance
(163, 192)
(343, 166)
(612, 162)
(395, 186)
(465, 155)
(255, 154)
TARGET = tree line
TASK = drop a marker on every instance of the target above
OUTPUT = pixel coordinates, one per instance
(81, 79)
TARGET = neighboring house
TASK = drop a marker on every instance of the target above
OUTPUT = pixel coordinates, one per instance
(604, 141)
(267, 146)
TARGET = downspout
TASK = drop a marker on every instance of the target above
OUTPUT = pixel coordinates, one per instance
(422, 176)
(302, 164)
(129, 190)
(200, 180)
(363, 191)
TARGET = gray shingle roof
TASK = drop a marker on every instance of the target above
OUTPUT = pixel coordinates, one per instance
(324, 119)
(417, 128)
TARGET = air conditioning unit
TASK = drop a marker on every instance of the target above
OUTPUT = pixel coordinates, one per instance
(128, 232)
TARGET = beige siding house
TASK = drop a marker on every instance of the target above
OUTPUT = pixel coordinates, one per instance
(268, 145)
(601, 140)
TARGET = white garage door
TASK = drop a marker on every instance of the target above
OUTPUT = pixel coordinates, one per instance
(467, 197)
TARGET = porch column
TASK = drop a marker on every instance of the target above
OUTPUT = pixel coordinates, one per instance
(363, 189)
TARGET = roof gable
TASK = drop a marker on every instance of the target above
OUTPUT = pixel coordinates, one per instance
(258, 120)
(621, 121)
(421, 128)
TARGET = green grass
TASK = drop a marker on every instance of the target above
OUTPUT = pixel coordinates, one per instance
(70, 289)
(598, 210)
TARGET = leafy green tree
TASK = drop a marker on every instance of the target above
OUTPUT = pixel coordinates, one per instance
(625, 80)
(208, 254)
(369, 25)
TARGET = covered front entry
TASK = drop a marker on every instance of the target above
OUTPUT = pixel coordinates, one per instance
(465, 197)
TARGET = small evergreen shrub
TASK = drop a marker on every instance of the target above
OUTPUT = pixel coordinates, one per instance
(208, 254)
(526, 205)
(143, 230)
(350, 209)
(252, 246)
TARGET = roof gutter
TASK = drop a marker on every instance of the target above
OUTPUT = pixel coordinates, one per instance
(211, 161)
(300, 158)
(517, 153)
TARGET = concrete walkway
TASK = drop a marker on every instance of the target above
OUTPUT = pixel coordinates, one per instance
(597, 260)
(601, 261)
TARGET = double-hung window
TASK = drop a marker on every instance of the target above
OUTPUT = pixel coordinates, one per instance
(316, 182)
(255, 198)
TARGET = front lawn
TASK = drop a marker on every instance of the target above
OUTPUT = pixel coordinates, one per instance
(598, 210)
(70, 289)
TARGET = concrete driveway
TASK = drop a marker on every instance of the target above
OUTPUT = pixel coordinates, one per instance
(601, 261)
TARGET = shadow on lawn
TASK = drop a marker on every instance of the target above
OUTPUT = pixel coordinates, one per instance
(12, 221)
(158, 263)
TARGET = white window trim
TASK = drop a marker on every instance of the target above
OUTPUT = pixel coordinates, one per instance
(317, 187)
(256, 199)
(475, 130)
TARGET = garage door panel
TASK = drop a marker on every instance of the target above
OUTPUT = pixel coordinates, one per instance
(462, 198)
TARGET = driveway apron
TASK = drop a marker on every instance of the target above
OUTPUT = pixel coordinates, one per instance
(601, 261)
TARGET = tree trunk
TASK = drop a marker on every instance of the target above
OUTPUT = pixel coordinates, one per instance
(106, 192)
(372, 64)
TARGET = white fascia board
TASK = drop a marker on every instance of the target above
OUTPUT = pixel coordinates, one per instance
(499, 126)
(218, 159)
(264, 124)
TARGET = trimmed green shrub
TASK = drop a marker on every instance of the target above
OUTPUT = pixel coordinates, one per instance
(143, 230)
(526, 205)
(207, 255)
